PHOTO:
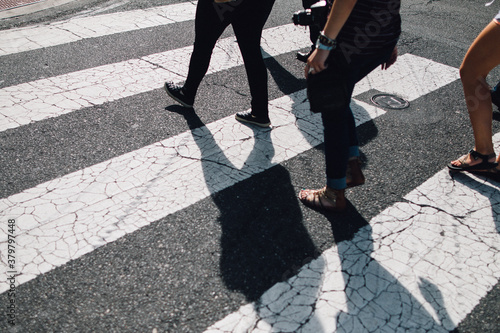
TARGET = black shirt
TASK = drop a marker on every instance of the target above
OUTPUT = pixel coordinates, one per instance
(372, 25)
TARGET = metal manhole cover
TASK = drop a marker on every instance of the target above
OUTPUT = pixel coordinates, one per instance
(390, 101)
(10, 4)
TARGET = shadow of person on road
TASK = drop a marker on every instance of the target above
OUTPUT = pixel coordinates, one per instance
(480, 223)
(347, 290)
(262, 234)
(374, 298)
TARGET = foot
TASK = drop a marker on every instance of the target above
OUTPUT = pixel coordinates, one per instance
(178, 94)
(325, 199)
(354, 176)
(473, 161)
(248, 117)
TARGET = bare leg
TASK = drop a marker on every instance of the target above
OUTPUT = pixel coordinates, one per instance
(481, 58)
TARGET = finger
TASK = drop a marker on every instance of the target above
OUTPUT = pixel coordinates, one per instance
(320, 68)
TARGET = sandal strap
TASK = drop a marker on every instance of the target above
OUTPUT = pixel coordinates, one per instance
(475, 155)
(320, 195)
(325, 194)
(321, 199)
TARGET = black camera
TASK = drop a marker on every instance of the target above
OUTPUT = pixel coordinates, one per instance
(316, 15)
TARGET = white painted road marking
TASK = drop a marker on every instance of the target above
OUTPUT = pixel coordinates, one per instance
(70, 216)
(420, 265)
(423, 263)
(36, 37)
(46, 98)
(67, 217)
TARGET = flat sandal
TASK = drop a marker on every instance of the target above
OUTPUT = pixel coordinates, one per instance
(484, 165)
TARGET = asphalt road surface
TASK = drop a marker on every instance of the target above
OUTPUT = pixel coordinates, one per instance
(123, 212)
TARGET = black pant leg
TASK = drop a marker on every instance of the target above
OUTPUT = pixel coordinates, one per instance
(209, 26)
(248, 23)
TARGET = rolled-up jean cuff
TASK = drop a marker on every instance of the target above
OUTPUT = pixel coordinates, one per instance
(353, 151)
(337, 184)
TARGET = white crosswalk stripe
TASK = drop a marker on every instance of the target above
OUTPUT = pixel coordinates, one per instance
(52, 97)
(31, 38)
(67, 209)
(435, 253)
(387, 276)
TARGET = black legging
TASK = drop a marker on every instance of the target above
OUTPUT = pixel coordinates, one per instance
(247, 18)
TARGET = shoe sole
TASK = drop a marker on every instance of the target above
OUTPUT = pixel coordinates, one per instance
(177, 99)
(252, 122)
(475, 167)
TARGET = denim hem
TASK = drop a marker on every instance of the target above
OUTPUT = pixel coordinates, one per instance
(354, 151)
(337, 183)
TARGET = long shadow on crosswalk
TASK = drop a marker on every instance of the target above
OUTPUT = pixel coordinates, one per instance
(263, 238)
(373, 292)
(375, 299)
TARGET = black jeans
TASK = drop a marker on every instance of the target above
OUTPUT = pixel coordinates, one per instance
(247, 18)
(341, 140)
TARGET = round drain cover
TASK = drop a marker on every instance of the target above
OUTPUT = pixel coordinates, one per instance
(390, 101)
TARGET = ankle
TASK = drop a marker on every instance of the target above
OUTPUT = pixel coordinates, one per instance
(354, 175)
(337, 197)
(485, 150)
(483, 154)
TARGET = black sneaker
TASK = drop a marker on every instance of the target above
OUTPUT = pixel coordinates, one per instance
(177, 93)
(248, 117)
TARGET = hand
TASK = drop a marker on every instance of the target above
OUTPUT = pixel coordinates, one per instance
(392, 59)
(316, 62)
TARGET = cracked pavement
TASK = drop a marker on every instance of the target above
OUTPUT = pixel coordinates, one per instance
(37, 100)
(420, 265)
(125, 193)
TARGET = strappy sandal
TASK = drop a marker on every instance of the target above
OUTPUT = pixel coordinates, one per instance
(324, 200)
(484, 165)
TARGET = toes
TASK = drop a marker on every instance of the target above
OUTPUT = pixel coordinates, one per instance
(305, 193)
(309, 196)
